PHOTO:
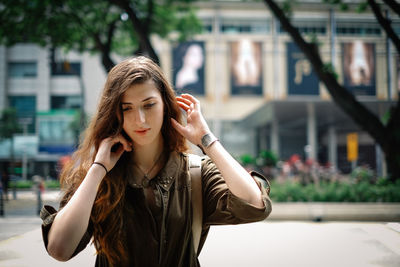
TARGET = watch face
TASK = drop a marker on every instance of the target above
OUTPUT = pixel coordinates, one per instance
(207, 140)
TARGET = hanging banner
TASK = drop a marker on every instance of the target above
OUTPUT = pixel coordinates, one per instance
(246, 68)
(359, 67)
(301, 78)
(188, 67)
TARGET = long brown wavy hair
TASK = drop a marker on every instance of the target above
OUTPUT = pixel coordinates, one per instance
(107, 212)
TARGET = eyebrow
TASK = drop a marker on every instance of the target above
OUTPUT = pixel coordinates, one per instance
(144, 100)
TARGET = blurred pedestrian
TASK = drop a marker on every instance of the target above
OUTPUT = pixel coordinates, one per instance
(128, 185)
(5, 180)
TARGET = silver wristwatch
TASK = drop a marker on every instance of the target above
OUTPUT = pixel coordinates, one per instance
(208, 139)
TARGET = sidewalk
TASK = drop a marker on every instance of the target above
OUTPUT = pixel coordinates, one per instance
(289, 237)
(274, 244)
(27, 250)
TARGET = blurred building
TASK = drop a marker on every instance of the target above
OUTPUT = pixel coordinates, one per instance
(257, 89)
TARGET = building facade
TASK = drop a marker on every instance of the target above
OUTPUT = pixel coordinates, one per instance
(257, 90)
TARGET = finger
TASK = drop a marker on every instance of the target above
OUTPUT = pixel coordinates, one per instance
(126, 144)
(178, 126)
(119, 142)
(183, 105)
(195, 104)
(119, 151)
(184, 100)
(190, 98)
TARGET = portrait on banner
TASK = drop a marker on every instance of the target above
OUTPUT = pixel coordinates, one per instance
(188, 67)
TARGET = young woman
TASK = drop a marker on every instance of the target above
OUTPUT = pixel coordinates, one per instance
(128, 185)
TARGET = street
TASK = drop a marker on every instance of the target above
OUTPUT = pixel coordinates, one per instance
(260, 244)
(269, 243)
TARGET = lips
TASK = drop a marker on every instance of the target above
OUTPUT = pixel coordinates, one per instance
(142, 131)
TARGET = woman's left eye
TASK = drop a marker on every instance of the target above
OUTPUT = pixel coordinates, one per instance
(149, 105)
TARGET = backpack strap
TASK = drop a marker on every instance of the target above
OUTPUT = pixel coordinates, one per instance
(197, 201)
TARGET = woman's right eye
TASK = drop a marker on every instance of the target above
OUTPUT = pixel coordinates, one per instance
(126, 109)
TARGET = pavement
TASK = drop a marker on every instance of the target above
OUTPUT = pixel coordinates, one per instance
(295, 234)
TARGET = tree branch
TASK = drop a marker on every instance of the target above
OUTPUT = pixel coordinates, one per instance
(106, 60)
(342, 97)
(385, 24)
(393, 5)
(138, 28)
(110, 33)
(150, 12)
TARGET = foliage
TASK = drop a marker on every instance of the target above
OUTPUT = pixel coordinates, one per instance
(381, 191)
(52, 184)
(247, 159)
(267, 158)
(362, 174)
(21, 184)
(28, 184)
(329, 68)
(9, 123)
(287, 7)
(101, 26)
(79, 123)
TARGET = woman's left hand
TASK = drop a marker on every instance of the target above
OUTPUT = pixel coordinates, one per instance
(196, 125)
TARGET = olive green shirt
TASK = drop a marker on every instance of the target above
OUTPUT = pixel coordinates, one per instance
(158, 232)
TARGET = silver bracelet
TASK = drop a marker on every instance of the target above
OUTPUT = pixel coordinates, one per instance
(207, 140)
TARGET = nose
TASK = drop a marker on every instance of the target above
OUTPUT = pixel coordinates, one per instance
(140, 116)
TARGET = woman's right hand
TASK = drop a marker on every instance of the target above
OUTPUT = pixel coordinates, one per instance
(107, 156)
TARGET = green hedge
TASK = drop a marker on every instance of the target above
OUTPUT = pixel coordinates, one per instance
(21, 184)
(381, 191)
(52, 184)
(28, 184)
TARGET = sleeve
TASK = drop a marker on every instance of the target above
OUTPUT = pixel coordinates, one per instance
(47, 214)
(221, 206)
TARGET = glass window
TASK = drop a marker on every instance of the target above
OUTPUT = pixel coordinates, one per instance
(308, 27)
(22, 69)
(66, 68)
(66, 102)
(396, 28)
(207, 25)
(358, 28)
(55, 129)
(26, 109)
(245, 26)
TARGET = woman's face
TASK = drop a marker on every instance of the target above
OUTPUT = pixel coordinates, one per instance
(143, 111)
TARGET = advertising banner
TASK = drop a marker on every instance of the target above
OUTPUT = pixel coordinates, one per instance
(359, 67)
(246, 68)
(188, 67)
(301, 77)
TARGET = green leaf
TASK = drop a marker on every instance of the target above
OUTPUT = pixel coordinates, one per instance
(9, 123)
(329, 68)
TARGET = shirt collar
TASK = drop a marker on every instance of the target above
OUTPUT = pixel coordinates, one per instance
(171, 170)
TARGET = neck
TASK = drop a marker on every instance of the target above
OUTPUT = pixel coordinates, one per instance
(145, 156)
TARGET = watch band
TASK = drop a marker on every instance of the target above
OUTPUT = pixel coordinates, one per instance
(208, 139)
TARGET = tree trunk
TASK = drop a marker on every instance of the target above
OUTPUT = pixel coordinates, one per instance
(107, 62)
